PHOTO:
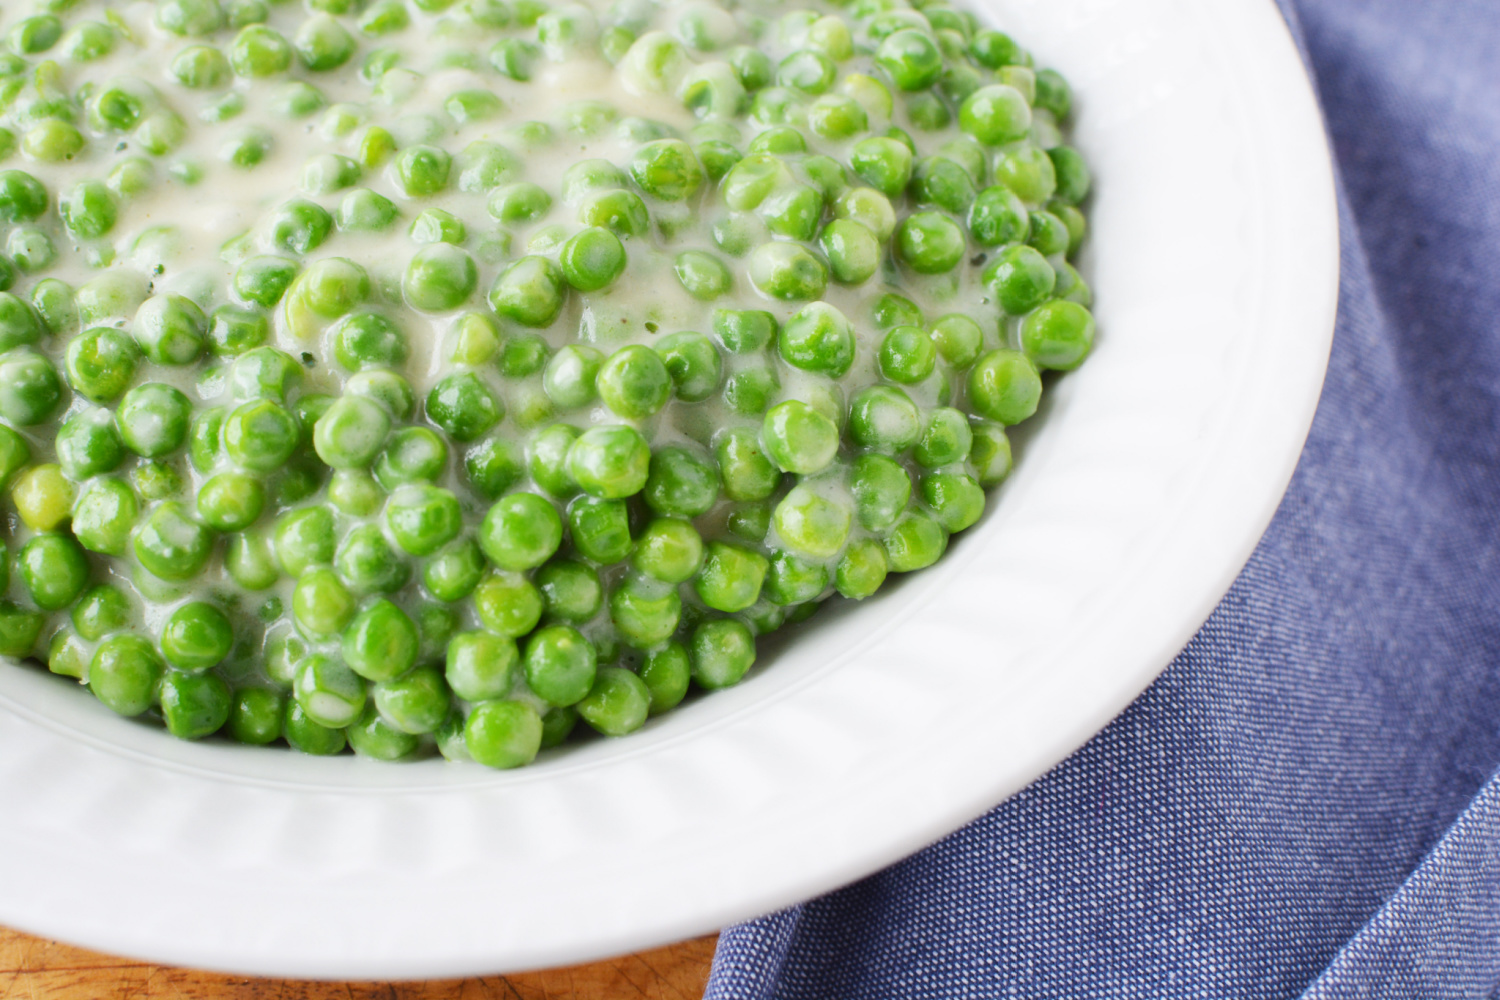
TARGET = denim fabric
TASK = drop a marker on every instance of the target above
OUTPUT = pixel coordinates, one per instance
(1305, 802)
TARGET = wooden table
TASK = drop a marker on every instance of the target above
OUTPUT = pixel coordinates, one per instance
(34, 969)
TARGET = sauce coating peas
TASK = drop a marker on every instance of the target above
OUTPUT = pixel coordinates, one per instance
(374, 403)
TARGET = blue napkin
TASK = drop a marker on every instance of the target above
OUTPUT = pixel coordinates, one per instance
(1305, 803)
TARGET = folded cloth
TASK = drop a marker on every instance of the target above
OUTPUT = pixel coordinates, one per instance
(1305, 802)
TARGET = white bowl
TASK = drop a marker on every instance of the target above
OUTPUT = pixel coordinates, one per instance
(872, 730)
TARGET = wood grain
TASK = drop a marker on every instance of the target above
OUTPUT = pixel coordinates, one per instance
(34, 969)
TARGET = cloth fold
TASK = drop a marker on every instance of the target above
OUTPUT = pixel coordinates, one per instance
(1304, 804)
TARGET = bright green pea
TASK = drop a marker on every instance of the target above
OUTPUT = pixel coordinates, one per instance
(362, 210)
(231, 501)
(634, 382)
(600, 529)
(88, 444)
(194, 706)
(31, 249)
(793, 212)
(955, 498)
(124, 674)
(493, 466)
(366, 562)
(930, 243)
(907, 355)
(667, 169)
(196, 636)
(990, 454)
(693, 363)
(35, 34)
(788, 271)
(1049, 234)
(530, 291)
(571, 376)
(610, 462)
(416, 703)
(260, 435)
(232, 331)
(323, 44)
(255, 716)
(881, 489)
(670, 550)
(154, 419)
(1028, 172)
(368, 339)
(1058, 335)
(439, 277)
(911, 58)
(385, 388)
(503, 734)
(721, 653)
(818, 338)
(884, 418)
(22, 197)
(731, 577)
(371, 736)
(259, 51)
(680, 483)
(264, 280)
(1054, 94)
(746, 471)
(593, 259)
(862, 569)
(520, 531)
(750, 390)
(54, 570)
(570, 590)
(423, 518)
(101, 610)
(811, 524)
(1021, 279)
(916, 542)
(250, 562)
(170, 330)
(355, 491)
(304, 538)
(321, 603)
(703, 275)
(381, 642)
(958, 339)
(618, 703)
(752, 180)
(1071, 173)
(744, 331)
(413, 454)
(434, 225)
(308, 736)
(329, 693)
(464, 406)
(621, 212)
(560, 664)
(89, 210)
(794, 581)
(351, 433)
(946, 439)
(299, 226)
(938, 180)
(104, 515)
(666, 673)
(200, 67)
(171, 545)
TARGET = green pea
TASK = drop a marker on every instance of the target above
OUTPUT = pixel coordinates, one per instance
(19, 630)
(264, 280)
(670, 550)
(1021, 279)
(752, 180)
(570, 590)
(530, 291)
(259, 51)
(171, 545)
(911, 58)
(440, 277)
(667, 169)
(308, 736)
(955, 498)
(703, 275)
(372, 736)
(367, 563)
(571, 375)
(104, 515)
(416, 703)
(464, 406)
(744, 331)
(1058, 335)
(304, 538)
(793, 212)
(508, 604)
(386, 389)
(249, 560)
(680, 483)
(423, 518)
(260, 435)
(88, 444)
(884, 418)
(255, 716)
(693, 363)
(124, 674)
(862, 570)
(196, 636)
(730, 578)
(381, 642)
(89, 210)
(200, 67)
(794, 581)
(946, 440)
(916, 542)
(503, 734)
(721, 653)
(452, 574)
(907, 355)
(1054, 94)
(853, 252)
(610, 462)
(621, 212)
(54, 570)
(752, 66)
(930, 243)
(323, 44)
(666, 673)
(618, 702)
(788, 271)
(329, 693)
(232, 331)
(352, 433)
(54, 303)
(520, 531)
(600, 529)
(35, 34)
(22, 197)
(300, 227)
(321, 603)
(31, 249)
(154, 419)
(170, 330)
(548, 457)
(492, 467)
(231, 501)
(990, 454)
(818, 338)
(881, 490)
(811, 524)
(560, 664)
(101, 610)
(634, 382)
(746, 471)
(798, 438)
(1072, 174)
(1029, 172)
